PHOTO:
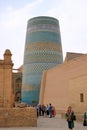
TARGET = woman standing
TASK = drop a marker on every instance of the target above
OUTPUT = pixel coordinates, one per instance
(53, 111)
(69, 117)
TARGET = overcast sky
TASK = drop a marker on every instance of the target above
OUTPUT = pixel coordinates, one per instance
(14, 14)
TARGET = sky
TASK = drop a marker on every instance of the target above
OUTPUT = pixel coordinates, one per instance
(14, 14)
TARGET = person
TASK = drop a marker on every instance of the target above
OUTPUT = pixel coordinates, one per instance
(47, 110)
(85, 118)
(40, 110)
(54, 111)
(43, 109)
(69, 117)
(50, 110)
(37, 110)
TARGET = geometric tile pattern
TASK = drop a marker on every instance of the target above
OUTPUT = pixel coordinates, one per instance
(38, 46)
(43, 50)
(43, 57)
(38, 67)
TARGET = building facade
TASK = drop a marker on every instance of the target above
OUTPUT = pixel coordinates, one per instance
(66, 84)
(17, 85)
(6, 91)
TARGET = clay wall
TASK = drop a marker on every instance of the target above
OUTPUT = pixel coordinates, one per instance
(17, 117)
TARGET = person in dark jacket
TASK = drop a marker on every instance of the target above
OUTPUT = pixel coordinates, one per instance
(50, 111)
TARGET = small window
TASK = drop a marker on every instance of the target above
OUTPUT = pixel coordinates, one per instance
(81, 97)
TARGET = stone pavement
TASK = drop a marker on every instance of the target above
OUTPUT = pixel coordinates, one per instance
(46, 123)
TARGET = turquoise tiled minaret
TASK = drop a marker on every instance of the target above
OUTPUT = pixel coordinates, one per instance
(42, 51)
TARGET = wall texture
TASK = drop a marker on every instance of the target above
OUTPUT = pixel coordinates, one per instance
(65, 84)
(16, 117)
(6, 95)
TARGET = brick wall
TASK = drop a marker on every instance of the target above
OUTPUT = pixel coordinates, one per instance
(16, 117)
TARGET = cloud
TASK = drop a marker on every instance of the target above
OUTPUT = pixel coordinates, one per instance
(70, 13)
(13, 24)
(14, 18)
(73, 24)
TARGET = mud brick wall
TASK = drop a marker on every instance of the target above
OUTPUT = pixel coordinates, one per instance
(17, 117)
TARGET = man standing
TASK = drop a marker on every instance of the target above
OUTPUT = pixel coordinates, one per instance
(50, 110)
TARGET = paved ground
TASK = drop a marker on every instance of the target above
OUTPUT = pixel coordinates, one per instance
(46, 123)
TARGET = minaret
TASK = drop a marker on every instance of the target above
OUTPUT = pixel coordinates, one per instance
(6, 94)
(43, 50)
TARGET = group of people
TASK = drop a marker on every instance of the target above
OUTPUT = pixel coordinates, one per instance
(50, 111)
(46, 110)
(70, 116)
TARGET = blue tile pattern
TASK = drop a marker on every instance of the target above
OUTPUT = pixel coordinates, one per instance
(43, 50)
